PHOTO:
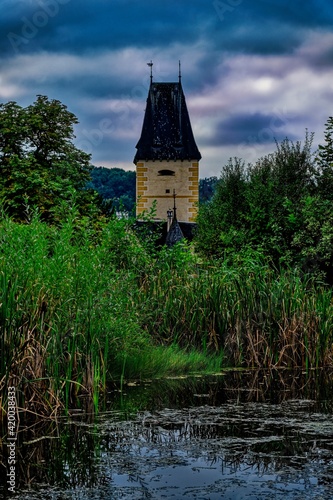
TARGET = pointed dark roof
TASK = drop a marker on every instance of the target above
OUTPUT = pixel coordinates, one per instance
(175, 234)
(166, 131)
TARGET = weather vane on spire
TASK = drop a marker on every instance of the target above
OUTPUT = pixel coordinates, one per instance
(151, 70)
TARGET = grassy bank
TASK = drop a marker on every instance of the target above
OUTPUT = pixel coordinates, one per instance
(83, 307)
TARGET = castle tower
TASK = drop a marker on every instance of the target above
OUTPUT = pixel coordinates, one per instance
(167, 157)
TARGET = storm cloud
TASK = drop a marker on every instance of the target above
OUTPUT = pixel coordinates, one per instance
(253, 71)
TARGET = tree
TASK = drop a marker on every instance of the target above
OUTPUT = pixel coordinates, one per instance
(325, 163)
(221, 220)
(262, 206)
(293, 168)
(207, 188)
(277, 185)
(39, 164)
(115, 184)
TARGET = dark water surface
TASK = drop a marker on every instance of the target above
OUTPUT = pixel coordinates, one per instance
(237, 435)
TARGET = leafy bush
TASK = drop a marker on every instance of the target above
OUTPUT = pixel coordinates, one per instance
(278, 206)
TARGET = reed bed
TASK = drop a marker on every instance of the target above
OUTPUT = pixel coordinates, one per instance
(253, 315)
(66, 311)
(81, 307)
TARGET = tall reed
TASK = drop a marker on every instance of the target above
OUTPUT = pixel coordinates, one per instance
(66, 312)
(256, 315)
(81, 306)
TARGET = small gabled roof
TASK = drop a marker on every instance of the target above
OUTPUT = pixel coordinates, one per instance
(166, 131)
(175, 234)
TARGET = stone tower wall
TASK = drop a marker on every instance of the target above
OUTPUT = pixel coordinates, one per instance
(155, 182)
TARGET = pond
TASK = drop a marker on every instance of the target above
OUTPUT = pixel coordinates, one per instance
(234, 435)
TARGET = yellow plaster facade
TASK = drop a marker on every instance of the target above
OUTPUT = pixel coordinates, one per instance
(158, 180)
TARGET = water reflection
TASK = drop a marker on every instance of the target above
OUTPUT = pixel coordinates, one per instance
(252, 435)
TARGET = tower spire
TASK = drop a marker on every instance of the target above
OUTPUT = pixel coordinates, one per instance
(151, 70)
(180, 73)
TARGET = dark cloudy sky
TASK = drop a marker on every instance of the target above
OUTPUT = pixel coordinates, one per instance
(252, 70)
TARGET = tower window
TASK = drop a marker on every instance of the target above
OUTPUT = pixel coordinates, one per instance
(167, 191)
(166, 172)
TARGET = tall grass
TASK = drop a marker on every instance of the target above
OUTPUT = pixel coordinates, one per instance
(256, 315)
(66, 309)
(81, 307)
(70, 314)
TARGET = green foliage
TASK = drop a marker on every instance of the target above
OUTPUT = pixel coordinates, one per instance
(171, 359)
(325, 152)
(278, 206)
(324, 160)
(313, 241)
(40, 166)
(220, 221)
(240, 307)
(115, 184)
(83, 304)
(81, 307)
(73, 304)
(206, 188)
(70, 314)
(275, 188)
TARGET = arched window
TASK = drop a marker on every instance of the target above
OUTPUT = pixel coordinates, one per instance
(166, 172)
